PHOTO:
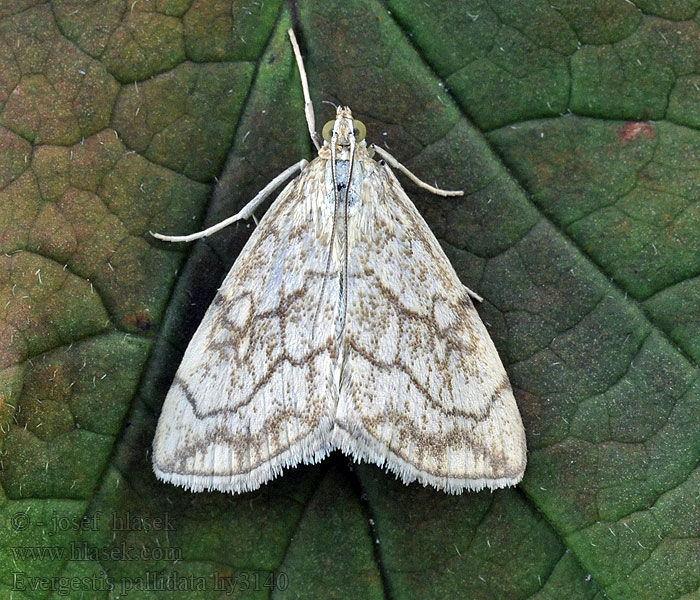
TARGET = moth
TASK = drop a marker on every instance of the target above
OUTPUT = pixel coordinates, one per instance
(341, 325)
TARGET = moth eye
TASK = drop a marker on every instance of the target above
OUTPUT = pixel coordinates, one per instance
(360, 130)
(328, 131)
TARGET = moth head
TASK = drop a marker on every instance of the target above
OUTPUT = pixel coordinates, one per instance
(344, 128)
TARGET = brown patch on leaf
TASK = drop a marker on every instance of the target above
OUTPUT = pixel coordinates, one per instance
(634, 129)
(139, 320)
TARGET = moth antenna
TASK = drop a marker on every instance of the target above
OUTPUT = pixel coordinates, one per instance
(327, 269)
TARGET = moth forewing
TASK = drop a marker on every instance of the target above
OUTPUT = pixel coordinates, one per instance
(341, 325)
(424, 391)
(254, 392)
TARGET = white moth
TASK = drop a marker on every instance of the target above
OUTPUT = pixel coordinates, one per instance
(341, 325)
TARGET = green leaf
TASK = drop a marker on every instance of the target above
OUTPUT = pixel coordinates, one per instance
(571, 126)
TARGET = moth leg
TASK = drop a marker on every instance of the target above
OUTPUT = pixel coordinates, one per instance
(395, 163)
(473, 294)
(245, 213)
(426, 186)
(308, 105)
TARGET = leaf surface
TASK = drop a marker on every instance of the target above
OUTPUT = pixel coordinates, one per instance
(572, 128)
